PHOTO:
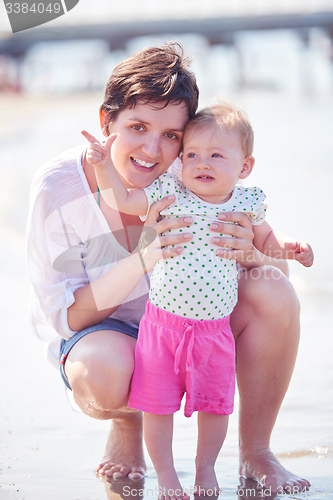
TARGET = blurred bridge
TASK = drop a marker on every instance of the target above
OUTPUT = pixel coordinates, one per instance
(216, 30)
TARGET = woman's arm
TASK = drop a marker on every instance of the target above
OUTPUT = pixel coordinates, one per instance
(112, 187)
(98, 300)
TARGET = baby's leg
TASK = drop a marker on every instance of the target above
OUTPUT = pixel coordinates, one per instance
(212, 430)
(158, 430)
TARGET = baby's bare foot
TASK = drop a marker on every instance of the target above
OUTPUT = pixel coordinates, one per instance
(206, 482)
(264, 467)
(124, 453)
(170, 487)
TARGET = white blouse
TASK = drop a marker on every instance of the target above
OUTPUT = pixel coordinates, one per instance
(69, 246)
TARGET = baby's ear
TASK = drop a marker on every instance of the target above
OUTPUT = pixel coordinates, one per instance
(248, 165)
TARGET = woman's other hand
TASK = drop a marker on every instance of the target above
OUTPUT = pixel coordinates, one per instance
(164, 245)
(237, 240)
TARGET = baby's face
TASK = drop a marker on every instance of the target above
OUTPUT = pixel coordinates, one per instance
(213, 162)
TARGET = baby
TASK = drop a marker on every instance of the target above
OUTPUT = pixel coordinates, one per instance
(185, 343)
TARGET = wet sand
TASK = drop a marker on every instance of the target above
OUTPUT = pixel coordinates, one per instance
(48, 451)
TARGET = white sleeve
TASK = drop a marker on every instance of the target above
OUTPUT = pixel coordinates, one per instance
(56, 200)
(154, 192)
(258, 209)
(49, 236)
(165, 185)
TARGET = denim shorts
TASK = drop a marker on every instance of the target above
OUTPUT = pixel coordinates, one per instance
(106, 324)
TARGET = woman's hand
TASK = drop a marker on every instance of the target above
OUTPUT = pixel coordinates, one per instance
(161, 247)
(240, 247)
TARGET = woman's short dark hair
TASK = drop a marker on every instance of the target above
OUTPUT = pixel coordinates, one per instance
(153, 75)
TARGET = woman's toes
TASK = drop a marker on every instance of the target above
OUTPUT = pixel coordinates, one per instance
(137, 474)
(116, 471)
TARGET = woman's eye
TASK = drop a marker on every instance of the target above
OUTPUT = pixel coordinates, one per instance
(171, 135)
(137, 127)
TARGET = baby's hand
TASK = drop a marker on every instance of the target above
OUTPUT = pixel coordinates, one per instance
(302, 251)
(99, 155)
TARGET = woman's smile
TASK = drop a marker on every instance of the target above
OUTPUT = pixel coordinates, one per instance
(142, 163)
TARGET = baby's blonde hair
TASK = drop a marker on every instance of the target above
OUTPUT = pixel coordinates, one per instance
(226, 115)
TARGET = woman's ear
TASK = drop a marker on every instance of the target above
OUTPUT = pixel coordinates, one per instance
(104, 123)
(248, 165)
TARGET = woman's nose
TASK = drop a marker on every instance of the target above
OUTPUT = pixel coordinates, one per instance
(152, 147)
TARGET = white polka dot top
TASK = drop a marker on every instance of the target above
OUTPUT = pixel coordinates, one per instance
(198, 284)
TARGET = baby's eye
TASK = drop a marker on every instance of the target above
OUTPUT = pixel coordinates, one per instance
(191, 155)
(216, 155)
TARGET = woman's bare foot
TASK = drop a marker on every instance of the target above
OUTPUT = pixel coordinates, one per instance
(206, 482)
(123, 489)
(170, 487)
(264, 467)
(124, 452)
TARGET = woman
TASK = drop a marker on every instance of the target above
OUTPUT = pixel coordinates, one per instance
(88, 271)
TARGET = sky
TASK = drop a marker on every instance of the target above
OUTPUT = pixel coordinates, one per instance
(96, 11)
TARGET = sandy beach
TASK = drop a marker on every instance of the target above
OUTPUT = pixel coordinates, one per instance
(49, 451)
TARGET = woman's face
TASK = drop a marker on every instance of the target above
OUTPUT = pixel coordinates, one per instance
(148, 141)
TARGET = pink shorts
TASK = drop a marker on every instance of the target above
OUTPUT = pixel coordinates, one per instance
(175, 355)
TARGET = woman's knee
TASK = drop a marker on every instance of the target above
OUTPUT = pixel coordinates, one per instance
(100, 383)
(268, 292)
(99, 375)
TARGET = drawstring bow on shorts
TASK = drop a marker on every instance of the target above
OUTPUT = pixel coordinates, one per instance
(189, 330)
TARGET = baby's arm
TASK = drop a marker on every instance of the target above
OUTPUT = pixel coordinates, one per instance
(279, 245)
(113, 189)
